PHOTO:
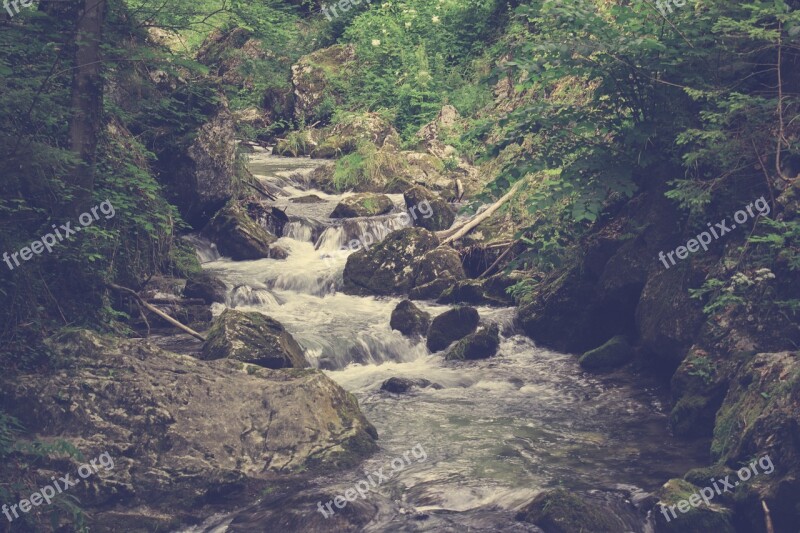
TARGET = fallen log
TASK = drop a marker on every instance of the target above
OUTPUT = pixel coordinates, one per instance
(155, 310)
(457, 233)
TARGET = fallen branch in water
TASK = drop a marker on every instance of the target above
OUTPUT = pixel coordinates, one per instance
(155, 310)
(469, 225)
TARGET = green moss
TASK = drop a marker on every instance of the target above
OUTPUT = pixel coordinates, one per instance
(688, 413)
(616, 352)
(701, 519)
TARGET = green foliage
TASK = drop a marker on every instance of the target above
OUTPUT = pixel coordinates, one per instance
(349, 171)
(412, 53)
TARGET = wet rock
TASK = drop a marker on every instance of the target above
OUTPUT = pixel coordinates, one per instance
(401, 385)
(206, 286)
(237, 235)
(563, 511)
(451, 326)
(278, 252)
(307, 199)
(434, 214)
(387, 268)
(182, 433)
(362, 205)
(409, 320)
(482, 344)
(251, 337)
(687, 518)
(614, 353)
(440, 263)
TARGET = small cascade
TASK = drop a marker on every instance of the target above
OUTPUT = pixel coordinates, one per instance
(206, 250)
(246, 296)
(299, 231)
(364, 231)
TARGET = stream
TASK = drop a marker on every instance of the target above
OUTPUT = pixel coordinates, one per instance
(495, 434)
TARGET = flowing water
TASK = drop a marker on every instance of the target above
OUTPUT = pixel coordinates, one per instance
(495, 434)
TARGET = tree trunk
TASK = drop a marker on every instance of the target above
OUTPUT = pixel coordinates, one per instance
(87, 100)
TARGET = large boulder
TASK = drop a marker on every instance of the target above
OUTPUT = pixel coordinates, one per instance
(435, 213)
(614, 353)
(387, 268)
(482, 344)
(318, 80)
(205, 177)
(352, 130)
(187, 437)
(451, 326)
(365, 204)
(667, 318)
(237, 235)
(205, 286)
(410, 320)
(254, 338)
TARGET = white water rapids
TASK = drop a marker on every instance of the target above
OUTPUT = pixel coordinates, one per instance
(498, 431)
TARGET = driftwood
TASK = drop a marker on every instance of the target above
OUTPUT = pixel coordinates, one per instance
(260, 188)
(176, 301)
(457, 233)
(459, 190)
(500, 258)
(767, 518)
(155, 310)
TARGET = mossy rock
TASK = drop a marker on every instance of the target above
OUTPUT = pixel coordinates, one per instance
(251, 337)
(450, 326)
(440, 263)
(685, 517)
(387, 268)
(409, 320)
(363, 205)
(441, 214)
(760, 410)
(562, 511)
(482, 344)
(703, 477)
(614, 353)
(237, 235)
(693, 415)
(206, 286)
